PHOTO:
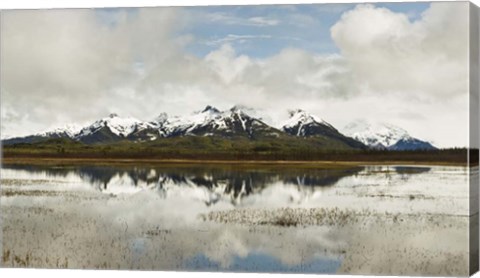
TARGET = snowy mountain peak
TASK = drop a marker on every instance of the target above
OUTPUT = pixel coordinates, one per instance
(294, 112)
(379, 127)
(115, 120)
(303, 124)
(210, 109)
(68, 130)
(236, 121)
(161, 118)
(119, 126)
(246, 111)
(301, 117)
(239, 108)
(378, 135)
(383, 136)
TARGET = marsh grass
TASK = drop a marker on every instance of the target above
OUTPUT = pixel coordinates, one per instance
(293, 217)
(285, 217)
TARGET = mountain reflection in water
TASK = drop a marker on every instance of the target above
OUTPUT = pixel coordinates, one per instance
(232, 217)
(234, 180)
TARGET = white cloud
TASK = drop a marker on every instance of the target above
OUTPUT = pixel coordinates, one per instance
(263, 21)
(60, 65)
(302, 20)
(67, 66)
(241, 39)
(422, 65)
(236, 38)
(391, 54)
(225, 18)
(226, 64)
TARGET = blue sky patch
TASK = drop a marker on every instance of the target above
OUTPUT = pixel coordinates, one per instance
(264, 30)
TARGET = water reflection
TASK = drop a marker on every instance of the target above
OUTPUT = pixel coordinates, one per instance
(264, 185)
(264, 218)
(260, 262)
(231, 180)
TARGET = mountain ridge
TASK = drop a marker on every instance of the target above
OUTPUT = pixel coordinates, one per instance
(234, 123)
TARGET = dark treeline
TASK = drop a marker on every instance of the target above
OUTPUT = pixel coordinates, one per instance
(208, 149)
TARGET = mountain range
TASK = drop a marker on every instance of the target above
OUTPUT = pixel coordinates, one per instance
(233, 123)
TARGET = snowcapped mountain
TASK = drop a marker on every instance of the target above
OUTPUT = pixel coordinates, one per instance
(114, 128)
(66, 131)
(384, 136)
(303, 124)
(235, 122)
(116, 125)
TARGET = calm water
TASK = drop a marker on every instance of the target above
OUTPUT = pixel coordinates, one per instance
(237, 218)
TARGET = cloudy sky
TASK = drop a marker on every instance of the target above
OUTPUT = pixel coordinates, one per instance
(401, 63)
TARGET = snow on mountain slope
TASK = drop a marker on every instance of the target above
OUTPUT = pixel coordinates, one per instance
(208, 122)
(235, 122)
(302, 124)
(384, 136)
(378, 135)
(211, 121)
(68, 130)
(300, 120)
(178, 125)
(121, 127)
(160, 119)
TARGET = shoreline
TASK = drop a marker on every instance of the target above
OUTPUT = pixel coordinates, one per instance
(129, 161)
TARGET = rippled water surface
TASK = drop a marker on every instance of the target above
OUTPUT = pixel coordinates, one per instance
(269, 218)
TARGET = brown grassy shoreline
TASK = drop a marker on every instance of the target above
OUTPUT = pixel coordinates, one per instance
(148, 161)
